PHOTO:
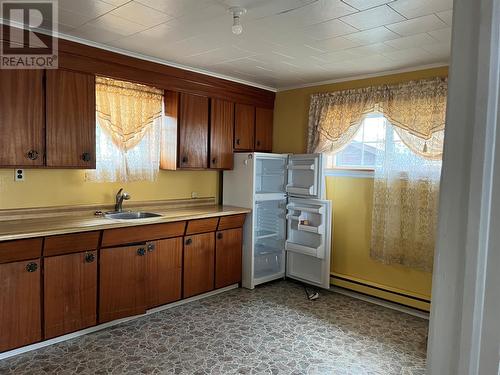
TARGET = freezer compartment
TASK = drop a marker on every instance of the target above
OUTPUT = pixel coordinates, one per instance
(270, 175)
(305, 175)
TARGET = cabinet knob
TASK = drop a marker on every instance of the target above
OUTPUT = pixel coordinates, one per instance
(184, 159)
(141, 251)
(258, 143)
(189, 241)
(238, 141)
(31, 267)
(89, 257)
(151, 246)
(32, 154)
(219, 236)
(214, 161)
(86, 156)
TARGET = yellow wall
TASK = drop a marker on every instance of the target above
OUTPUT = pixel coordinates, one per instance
(43, 188)
(352, 200)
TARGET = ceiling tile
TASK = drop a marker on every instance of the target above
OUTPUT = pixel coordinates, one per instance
(141, 14)
(265, 8)
(440, 50)
(442, 35)
(334, 44)
(117, 24)
(177, 8)
(366, 4)
(446, 16)
(416, 8)
(371, 50)
(368, 19)
(417, 25)
(116, 3)
(411, 41)
(92, 8)
(72, 19)
(329, 29)
(96, 33)
(379, 34)
(413, 55)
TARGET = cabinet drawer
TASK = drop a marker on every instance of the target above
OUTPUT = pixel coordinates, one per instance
(233, 221)
(13, 251)
(142, 233)
(71, 243)
(202, 225)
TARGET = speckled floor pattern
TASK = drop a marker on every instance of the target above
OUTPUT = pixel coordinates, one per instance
(271, 330)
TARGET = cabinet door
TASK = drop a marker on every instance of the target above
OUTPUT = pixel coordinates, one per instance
(20, 315)
(228, 257)
(22, 106)
(70, 293)
(163, 271)
(193, 131)
(221, 134)
(199, 253)
(244, 127)
(263, 129)
(71, 119)
(122, 280)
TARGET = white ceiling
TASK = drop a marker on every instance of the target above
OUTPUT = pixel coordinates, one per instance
(284, 43)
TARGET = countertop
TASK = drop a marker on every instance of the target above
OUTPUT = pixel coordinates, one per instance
(20, 224)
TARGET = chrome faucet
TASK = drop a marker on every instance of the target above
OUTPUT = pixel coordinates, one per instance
(120, 197)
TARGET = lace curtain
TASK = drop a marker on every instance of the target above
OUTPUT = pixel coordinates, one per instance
(128, 126)
(407, 171)
(416, 108)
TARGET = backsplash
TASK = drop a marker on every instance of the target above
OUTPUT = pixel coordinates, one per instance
(45, 188)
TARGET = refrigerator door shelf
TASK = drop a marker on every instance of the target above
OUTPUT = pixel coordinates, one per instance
(305, 177)
(317, 252)
(308, 191)
(316, 209)
(259, 197)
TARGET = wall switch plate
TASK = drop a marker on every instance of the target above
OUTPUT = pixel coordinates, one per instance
(194, 194)
(19, 175)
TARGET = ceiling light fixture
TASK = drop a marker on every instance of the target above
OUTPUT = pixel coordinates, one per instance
(237, 12)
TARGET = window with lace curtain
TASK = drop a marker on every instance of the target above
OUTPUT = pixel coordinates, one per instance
(128, 131)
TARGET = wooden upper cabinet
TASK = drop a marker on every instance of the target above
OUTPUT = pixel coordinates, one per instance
(22, 122)
(70, 293)
(20, 315)
(193, 131)
(221, 134)
(244, 127)
(263, 129)
(70, 119)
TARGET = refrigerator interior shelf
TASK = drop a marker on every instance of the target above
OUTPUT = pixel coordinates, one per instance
(265, 234)
(319, 210)
(261, 250)
(310, 228)
(300, 190)
(309, 167)
(302, 249)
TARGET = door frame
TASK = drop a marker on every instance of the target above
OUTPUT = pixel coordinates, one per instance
(463, 336)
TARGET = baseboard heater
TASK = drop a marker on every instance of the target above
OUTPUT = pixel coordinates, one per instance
(390, 292)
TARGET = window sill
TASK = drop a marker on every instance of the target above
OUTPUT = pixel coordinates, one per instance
(351, 172)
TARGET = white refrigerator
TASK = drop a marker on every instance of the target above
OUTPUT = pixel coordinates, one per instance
(288, 232)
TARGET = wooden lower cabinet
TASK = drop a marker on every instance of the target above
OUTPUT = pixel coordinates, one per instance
(20, 315)
(198, 270)
(70, 293)
(122, 282)
(163, 272)
(228, 257)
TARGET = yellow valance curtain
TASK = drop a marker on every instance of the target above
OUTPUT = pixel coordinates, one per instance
(416, 109)
(125, 110)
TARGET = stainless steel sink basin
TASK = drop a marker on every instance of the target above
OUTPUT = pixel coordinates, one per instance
(130, 215)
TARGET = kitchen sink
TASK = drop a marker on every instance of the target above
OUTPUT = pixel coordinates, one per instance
(130, 215)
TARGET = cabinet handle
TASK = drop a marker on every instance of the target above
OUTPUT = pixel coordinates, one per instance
(151, 247)
(184, 159)
(219, 236)
(141, 251)
(189, 241)
(214, 161)
(32, 154)
(86, 156)
(238, 141)
(89, 257)
(31, 267)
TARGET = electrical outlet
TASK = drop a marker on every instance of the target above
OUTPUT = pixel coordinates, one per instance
(19, 175)
(194, 194)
